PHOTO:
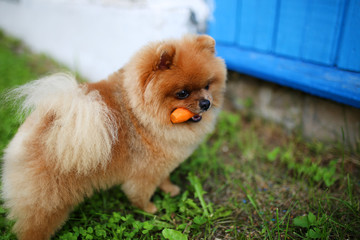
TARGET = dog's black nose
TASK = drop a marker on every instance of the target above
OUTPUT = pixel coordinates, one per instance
(204, 104)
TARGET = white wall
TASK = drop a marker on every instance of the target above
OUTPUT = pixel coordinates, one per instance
(97, 37)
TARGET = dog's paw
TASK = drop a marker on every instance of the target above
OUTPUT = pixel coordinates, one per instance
(173, 189)
(168, 187)
(150, 208)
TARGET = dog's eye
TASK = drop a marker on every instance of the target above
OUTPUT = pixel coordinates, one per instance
(207, 86)
(182, 94)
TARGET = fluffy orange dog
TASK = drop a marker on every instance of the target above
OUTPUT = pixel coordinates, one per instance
(83, 137)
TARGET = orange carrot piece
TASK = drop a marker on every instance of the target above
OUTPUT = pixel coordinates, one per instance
(180, 115)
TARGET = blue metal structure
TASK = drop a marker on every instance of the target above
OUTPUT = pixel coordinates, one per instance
(310, 45)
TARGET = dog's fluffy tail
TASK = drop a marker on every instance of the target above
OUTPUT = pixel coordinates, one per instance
(82, 129)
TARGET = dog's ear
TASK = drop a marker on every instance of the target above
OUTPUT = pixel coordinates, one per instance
(206, 42)
(166, 55)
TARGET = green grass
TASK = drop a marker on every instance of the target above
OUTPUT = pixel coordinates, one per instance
(248, 180)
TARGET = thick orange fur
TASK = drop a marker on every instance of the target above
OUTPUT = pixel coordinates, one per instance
(123, 121)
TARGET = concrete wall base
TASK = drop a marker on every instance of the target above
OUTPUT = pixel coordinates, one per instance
(315, 118)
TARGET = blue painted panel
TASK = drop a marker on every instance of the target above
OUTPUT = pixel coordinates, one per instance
(349, 55)
(321, 31)
(322, 81)
(223, 25)
(292, 17)
(305, 32)
(256, 22)
(309, 29)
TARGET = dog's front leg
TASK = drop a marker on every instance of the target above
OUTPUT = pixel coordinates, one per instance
(168, 187)
(139, 190)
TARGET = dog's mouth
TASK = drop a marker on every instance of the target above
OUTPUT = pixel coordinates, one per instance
(196, 118)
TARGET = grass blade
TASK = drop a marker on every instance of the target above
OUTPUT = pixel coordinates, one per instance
(195, 182)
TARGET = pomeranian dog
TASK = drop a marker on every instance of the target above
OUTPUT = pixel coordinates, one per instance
(79, 138)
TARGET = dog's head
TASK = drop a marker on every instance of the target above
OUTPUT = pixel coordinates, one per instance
(178, 73)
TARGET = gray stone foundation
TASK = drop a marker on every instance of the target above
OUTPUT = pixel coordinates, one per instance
(314, 117)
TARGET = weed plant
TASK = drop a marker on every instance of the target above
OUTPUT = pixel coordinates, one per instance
(248, 180)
